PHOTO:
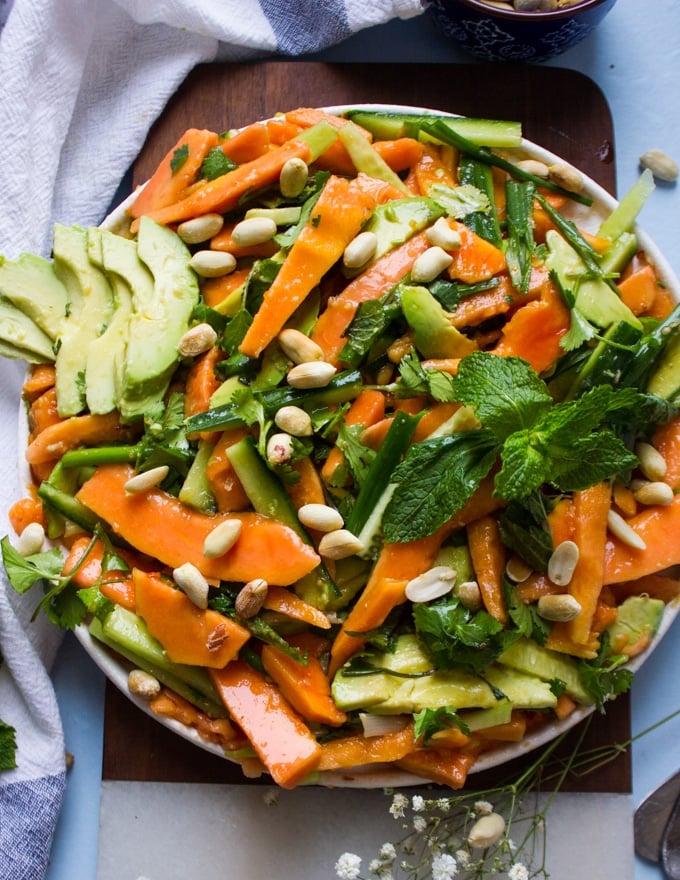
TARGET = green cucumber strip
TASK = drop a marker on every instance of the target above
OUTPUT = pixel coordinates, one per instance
(619, 253)
(126, 633)
(68, 506)
(318, 138)
(96, 455)
(443, 132)
(366, 159)
(380, 471)
(342, 387)
(485, 132)
(622, 218)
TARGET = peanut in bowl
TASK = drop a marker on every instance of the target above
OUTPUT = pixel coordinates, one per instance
(522, 31)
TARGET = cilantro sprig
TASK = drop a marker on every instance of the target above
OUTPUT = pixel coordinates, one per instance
(568, 445)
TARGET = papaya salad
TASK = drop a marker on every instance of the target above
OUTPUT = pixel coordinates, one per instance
(353, 435)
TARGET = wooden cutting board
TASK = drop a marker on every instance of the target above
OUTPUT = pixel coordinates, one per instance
(559, 109)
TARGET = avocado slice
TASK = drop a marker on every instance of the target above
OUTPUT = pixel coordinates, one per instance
(103, 377)
(398, 220)
(595, 299)
(20, 338)
(433, 333)
(636, 624)
(525, 656)
(31, 284)
(157, 325)
(90, 306)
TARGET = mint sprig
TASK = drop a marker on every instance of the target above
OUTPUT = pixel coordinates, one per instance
(568, 446)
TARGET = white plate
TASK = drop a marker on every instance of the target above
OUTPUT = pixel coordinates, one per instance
(377, 776)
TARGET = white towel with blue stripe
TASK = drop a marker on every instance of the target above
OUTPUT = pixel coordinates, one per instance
(81, 83)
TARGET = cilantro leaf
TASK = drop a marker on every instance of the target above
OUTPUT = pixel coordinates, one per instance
(179, 157)
(459, 201)
(505, 393)
(24, 572)
(605, 676)
(358, 457)
(455, 637)
(435, 480)
(417, 381)
(215, 164)
(8, 746)
(430, 721)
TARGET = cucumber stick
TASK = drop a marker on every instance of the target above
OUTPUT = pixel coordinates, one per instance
(126, 633)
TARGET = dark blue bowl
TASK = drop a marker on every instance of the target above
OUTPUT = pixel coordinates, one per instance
(494, 34)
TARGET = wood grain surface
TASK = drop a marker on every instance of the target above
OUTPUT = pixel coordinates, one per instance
(559, 109)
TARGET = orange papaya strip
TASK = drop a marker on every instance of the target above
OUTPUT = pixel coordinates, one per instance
(659, 529)
(224, 484)
(444, 766)
(561, 521)
(86, 430)
(339, 213)
(246, 144)
(306, 117)
(535, 330)
(638, 290)
(24, 512)
(191, 635)
(223, 193)
(224, 241)
(329, 330)
(176, 171)
(304, 685)
(476, 259)
(218, 730)
(288, 603)
(512, 731)
(666, 441)
(366, 409)
(43, 412)
(202, 381)
(623, 499)
(397, 564)
(41, 378)
(591, 507)
(159, 525)
(281, 129)
(399, 154)
(434, 418)
(430, 169)
(565, 706)
(308, 489)
(488, 561)
(356, 749)
(283, 742)
(216, 290)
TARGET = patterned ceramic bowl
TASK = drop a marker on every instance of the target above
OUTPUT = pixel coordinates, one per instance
(492, 33)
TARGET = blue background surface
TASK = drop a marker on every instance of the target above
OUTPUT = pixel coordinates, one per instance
(634, 57)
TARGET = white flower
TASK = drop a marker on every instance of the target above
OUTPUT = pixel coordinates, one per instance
(444, 867)
(463, 857)
(419, 824)
(518, 872)
(348, 866)
(418, 803)
(387, 852)
(444, 804)
(483, 808)
(398, 806)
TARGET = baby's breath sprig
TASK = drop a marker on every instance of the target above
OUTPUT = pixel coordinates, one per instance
(493, 833)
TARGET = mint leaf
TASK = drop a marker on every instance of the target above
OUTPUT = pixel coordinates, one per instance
(505, 393)
(8, 747)
(434, 482)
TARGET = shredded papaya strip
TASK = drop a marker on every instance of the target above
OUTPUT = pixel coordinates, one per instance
(444, 766)
(223, 193)
(304, 685)
(41, 378)
(288, 603)
(381, 276)
(350, 751)
(247, 144)
(283, 742)
(666, 441)
(202, 381)
(431, 169)
(659, 529)
(340, 212)
(488, 560)
(85, 430)
(224, 483)
(176, 171)
(476, 259)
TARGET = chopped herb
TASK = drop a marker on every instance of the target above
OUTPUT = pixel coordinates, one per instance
(179, 157)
